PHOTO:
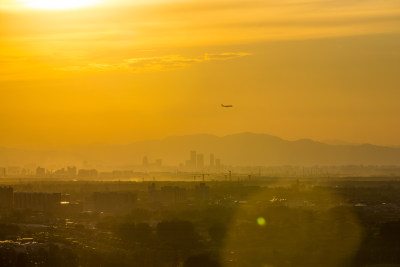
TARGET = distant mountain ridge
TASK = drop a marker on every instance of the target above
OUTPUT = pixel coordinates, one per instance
(246, 149)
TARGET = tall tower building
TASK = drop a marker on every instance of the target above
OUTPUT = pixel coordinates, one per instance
(193, 159)
(212, 160)
(200, 161)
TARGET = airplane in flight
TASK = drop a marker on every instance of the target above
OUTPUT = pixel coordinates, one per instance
(226, 106)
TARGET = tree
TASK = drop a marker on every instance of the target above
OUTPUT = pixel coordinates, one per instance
(390, 233)
(177, 234)
(201, 260)
(217, 232)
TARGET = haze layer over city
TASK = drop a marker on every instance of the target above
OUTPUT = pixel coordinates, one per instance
(199, 133)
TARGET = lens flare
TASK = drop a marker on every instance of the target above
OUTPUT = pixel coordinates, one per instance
(304, 226)
(261, 221)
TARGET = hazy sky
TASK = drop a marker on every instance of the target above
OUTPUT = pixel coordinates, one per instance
(121, 71)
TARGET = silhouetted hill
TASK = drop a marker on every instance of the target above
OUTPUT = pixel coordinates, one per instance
(236, 149)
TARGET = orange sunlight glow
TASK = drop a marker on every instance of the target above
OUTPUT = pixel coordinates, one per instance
(57, 4)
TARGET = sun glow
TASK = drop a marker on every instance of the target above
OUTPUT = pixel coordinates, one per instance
(57, 4)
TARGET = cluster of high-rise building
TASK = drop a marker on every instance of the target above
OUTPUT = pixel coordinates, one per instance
(40, 172)
(197, 162)
(14, 171)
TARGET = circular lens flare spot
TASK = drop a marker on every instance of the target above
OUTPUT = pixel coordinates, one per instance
(261, 221)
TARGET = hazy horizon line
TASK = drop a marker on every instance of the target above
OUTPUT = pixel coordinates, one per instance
(327, 141)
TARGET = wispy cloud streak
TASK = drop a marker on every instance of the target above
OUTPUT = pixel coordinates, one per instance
(160, 63)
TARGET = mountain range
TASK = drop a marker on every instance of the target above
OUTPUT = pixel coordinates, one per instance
(245, 149)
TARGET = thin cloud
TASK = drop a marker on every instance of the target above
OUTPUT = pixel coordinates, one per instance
(161, 63)
(224, 56)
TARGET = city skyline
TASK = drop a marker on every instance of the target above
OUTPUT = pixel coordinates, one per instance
(245, 149)
(218, 133)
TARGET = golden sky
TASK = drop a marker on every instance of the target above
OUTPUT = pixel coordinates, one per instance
(118, 71)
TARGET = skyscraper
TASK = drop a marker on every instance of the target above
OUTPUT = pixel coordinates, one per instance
(200, 161)
(212, 160)
(193, 159)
